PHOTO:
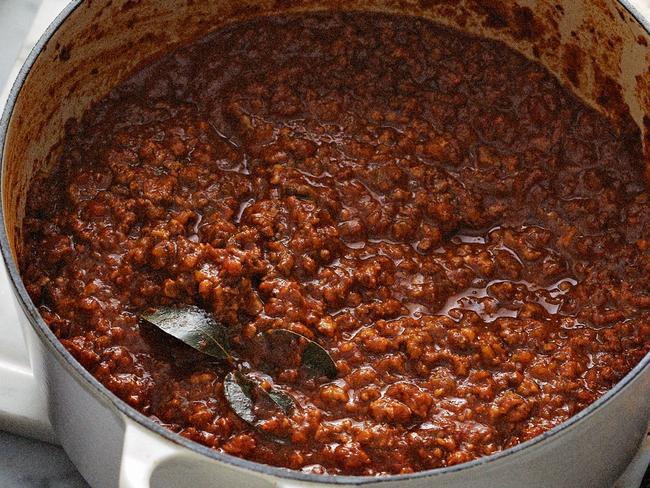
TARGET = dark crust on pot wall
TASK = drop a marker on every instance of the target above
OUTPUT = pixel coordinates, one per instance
(468, 241)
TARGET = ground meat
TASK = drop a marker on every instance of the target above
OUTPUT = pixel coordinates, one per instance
(468, 241)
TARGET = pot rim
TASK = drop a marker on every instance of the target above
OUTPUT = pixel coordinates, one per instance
(100, 392)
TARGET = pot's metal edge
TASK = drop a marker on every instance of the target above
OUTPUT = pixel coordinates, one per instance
(95, 387)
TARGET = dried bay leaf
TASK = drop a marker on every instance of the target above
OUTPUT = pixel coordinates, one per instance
(192, 326)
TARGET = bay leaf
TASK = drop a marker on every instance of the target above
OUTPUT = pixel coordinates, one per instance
(238, 391)
(313, 356)
(246, 398)
(193, 326)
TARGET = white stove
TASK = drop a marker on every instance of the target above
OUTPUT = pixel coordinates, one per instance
(24, 414)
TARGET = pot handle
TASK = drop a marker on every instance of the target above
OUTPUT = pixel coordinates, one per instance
(23, 394)
(142, 453)
(634, 474)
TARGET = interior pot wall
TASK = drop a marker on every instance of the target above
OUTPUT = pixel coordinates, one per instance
(594, 46)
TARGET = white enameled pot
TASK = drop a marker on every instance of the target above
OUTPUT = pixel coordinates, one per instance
(598, 47)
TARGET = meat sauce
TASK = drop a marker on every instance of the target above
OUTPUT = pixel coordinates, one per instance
(467, 240)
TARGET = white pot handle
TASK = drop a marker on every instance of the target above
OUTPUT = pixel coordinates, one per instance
(633, 475)
(23, 395)
(142, 452)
